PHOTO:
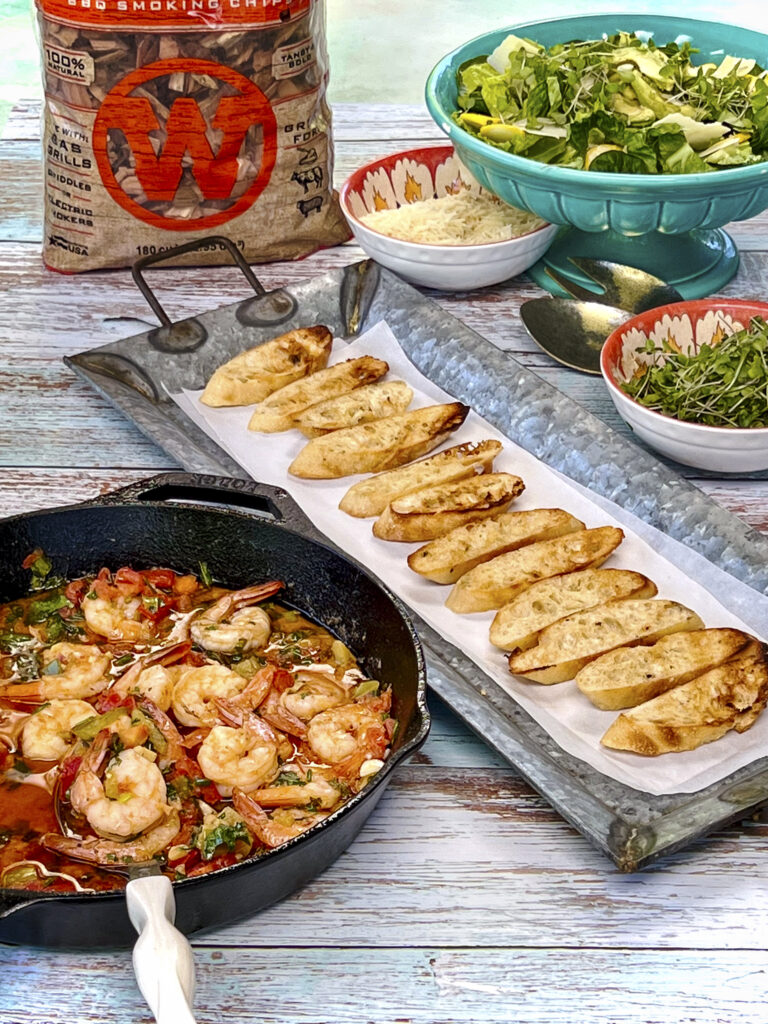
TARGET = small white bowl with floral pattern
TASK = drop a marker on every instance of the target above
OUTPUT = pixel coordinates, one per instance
(685, 326)
(429, 173)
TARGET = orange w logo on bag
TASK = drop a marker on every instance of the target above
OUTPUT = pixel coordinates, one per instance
(165, 143)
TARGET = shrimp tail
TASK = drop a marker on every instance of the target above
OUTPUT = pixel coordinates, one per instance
(259, 592)
(283, 719)
(28, 693)
(267, 831)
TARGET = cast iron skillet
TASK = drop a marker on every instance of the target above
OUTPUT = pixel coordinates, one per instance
(170, 520)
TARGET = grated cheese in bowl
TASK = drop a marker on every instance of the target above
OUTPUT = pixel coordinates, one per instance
(463, 219)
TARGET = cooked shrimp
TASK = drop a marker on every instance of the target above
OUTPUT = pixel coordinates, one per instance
(348, 736)
(271, 833)
(312, 693)
(195, 692)
(231, 623)
(109, 852)
(117, 618)
(47, 734)
(70, 671)
(245, 756)
(139, 801)
(154, 675)
(313, 788)
(174, 753)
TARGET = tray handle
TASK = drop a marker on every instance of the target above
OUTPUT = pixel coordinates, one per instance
(250, 495)
(178, 250)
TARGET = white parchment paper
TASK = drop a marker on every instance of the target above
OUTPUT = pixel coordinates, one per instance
(573, 722)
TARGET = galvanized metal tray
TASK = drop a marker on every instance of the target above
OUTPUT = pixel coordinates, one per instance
(136, 374)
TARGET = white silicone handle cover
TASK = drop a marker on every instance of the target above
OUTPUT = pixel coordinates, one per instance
(162, 957)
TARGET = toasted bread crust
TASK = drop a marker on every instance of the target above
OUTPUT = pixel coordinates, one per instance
(730, 696)
(495, 583)
(629, 676)
(448, 557)
(566, 646)
(372, 447)
(279, 410)
(517, 625)
(256, 373)
(433, 511)
(370, 497)
(363, 405)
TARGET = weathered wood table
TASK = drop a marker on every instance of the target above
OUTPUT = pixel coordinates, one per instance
(466, 898)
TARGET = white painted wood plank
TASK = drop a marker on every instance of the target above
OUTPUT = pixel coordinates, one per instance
(385, 986)
(474, 858)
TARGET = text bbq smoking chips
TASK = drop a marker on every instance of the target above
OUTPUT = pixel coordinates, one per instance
(168, 120)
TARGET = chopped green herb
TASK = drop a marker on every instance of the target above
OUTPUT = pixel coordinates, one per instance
(21, 767)
(39, 611)
(91, 595)
(205, 575)
(55, 629)
(123, 659)
(12, 642)
(289, 779)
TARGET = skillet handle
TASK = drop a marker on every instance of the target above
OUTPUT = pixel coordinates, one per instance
(162, 956)
(263, 499)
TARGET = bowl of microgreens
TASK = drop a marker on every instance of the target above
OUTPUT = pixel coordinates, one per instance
(640, 134)
(691, 379)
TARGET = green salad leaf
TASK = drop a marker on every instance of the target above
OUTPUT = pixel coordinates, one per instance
(618, 104)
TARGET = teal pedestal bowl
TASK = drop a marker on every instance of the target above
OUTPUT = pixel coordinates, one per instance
(669, 225)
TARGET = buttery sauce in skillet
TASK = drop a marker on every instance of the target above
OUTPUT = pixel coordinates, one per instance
(147, 715)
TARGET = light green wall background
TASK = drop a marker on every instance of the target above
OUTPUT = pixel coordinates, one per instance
(382, 50)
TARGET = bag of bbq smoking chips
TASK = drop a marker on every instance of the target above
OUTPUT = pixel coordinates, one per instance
(170, 120)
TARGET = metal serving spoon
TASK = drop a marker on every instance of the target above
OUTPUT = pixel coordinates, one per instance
(621, 286)
(162, 957)
(573, 332)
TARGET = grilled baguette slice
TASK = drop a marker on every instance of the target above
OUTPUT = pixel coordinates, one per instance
(364, 404)
(730, 696)
(566, 646)
(370, 497)
(632, 675)
(252, 375)
(433, 511)
(384, 444)
(278, 411)
(447, 558)
(517, 625)
(495, 583)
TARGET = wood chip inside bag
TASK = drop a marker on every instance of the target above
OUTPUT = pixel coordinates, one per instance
(165, 125)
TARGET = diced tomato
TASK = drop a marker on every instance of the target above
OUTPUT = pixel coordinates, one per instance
(103, 586)
(31, 558)
(282, 680)
(75, 591)
(110, 699)
(162, 612)
(205, 867)
(209, 792)
(163, 579)
(186, 863)
(129, 582)
(67, 772)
